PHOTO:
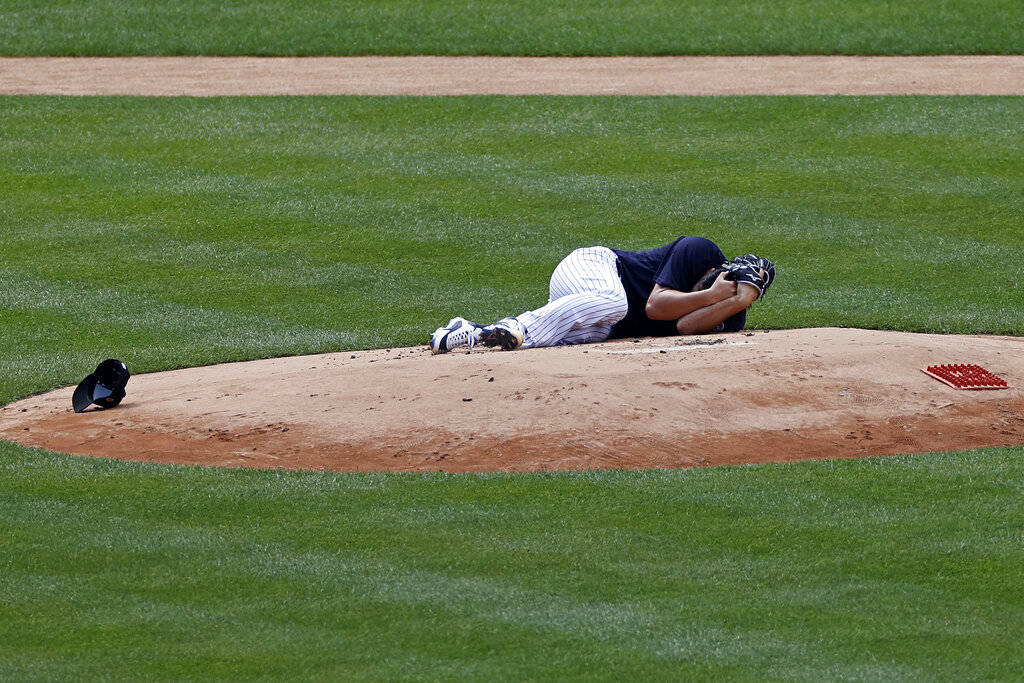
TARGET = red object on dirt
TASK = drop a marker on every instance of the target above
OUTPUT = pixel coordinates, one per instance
(965, 376)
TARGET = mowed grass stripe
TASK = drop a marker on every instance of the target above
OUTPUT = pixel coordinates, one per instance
(799, 571)
(492, 27)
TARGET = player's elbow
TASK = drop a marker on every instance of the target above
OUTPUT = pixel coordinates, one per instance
(655, 311)
(685, 326)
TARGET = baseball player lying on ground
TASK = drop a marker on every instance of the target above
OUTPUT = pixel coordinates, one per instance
(597, 293)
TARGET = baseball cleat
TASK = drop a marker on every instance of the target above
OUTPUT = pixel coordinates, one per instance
(458, 332)
(508, 333)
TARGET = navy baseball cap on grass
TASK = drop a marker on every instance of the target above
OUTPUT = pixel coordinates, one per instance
(104, 387)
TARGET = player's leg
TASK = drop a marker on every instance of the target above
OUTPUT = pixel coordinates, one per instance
(586, 335)
(586, 299)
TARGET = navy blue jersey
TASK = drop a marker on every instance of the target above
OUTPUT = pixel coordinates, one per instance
(679, 265)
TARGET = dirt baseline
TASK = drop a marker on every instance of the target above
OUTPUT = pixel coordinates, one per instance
(754, 396)
(434, 75)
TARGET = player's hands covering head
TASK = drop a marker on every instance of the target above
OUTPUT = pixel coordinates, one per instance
(752, 270)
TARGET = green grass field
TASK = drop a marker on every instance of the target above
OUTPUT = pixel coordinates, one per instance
(494, 27)
(905, 568)
(178, 232)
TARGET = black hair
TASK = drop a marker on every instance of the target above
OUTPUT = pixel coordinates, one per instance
(709, 279)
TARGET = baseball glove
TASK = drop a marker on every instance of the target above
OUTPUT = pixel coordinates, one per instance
(748, 269)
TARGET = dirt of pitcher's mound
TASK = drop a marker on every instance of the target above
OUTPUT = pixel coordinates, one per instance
(754, 396)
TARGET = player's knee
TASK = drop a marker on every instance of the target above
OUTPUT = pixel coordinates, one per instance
(616, 301)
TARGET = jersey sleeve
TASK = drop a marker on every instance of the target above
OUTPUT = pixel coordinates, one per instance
(688, 260)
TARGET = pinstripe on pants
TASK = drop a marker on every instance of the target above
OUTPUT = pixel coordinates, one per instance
(586, 298)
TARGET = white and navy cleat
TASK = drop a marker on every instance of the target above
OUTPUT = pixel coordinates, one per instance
(508, 333)
(458, 332)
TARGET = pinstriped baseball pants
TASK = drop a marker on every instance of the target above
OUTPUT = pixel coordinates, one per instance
(586, 298)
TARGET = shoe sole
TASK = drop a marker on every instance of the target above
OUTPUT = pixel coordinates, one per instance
(441, 346)
(437, 345)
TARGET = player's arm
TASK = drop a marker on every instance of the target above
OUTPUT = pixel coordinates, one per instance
(665, 303)
(704, 320)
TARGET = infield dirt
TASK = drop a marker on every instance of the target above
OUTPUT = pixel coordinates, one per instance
(764, 75)
(754, 396)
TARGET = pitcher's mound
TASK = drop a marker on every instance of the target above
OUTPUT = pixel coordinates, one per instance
(753, 396)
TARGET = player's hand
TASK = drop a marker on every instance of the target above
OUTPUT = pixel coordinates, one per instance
(754, 270)
(723, 288)
(749, 293)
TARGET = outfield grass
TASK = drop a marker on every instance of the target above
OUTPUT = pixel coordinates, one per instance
(496, 27)
(177, 232)
(902, 568)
